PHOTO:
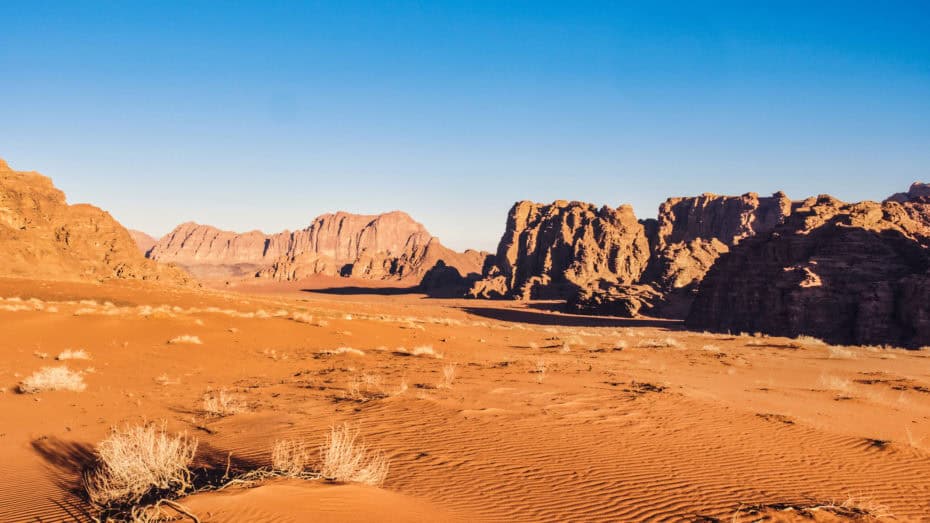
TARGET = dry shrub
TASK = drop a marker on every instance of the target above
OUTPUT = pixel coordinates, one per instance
(831, 382)
(139, 465)
(803, 341)
(222, 404)
(659, 344)
(542, 367)
(186, 338)
(840, 353)
(448, 376)
(71, 354)
(426, 350)
(302, 317)
(344, 350)
(53, 378)
(290, 458)
(343, 458)
(164, 379)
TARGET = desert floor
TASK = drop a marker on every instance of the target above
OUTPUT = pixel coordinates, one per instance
(549, 417)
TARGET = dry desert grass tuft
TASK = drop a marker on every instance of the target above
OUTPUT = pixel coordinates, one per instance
(344, 350)
(185, 338)
(668, 342)
(343, 458)
(222, 404)
(53, 378)
(291, 458)
(71, 354)
(139, 465)
(426, 350)
(448, 376)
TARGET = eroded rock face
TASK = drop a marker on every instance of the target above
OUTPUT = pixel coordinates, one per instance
(41, 236)
(693, 232)
(606, 262)
(917, 191)
(384, 246)
(845, 273)
(550, 251)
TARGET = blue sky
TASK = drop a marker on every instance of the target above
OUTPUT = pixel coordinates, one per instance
(263, 115)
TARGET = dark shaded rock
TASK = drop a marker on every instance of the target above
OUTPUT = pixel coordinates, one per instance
(845, 273)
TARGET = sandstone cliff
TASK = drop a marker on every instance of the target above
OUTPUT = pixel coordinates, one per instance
(693, 232)
(41, 236)
(846, 273)
(604, 261)
(384, 246)
(551, 251)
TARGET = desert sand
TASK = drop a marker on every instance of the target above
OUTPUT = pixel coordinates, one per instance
(544, 416)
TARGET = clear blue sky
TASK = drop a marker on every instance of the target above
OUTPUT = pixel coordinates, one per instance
(263, 115)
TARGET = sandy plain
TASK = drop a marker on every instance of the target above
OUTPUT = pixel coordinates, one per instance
(545, 417)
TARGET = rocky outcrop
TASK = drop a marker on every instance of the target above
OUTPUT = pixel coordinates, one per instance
(845, 273)
(143, 241)
(384, 246)
(41, 236)
(915, 192)
(551, 251)
(605, 261)
(693, 232)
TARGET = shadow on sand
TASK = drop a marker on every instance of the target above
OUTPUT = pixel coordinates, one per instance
(66, 462)
(542, 318)
(366, 291)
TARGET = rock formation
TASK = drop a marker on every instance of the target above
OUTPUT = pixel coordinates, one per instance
(845, 273)
(551, 251)
(384, 246)
(604, 261)
(916, 191)
(143, 241)
(693, 232)
(41, 236)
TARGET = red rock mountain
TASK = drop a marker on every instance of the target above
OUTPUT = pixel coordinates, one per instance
(605, 261)
(385, 246)
(549, 251)
(845, 273)
(143, 241)
(41, 236)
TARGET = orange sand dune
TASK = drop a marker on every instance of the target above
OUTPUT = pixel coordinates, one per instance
(549, 417)
(298, 501)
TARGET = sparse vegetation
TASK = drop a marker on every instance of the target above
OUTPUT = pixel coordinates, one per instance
(186, 338)
(542, 367)
(837, 383)
(668, 342)
(138, 466)
(344, 458)
(291, 458)
(851, 508)
(840, 353)
(71, 354)
(221, 404)
(344, 350)
(448, 376)
(53, 378)
(426, 350)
